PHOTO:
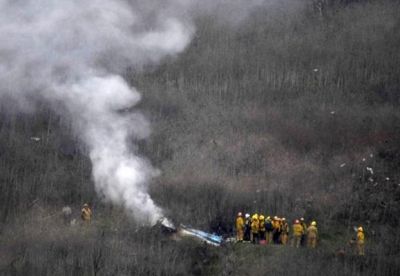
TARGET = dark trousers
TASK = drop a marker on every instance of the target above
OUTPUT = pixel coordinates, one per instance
(303, 240)
(276, 237)
(246, 234)
(262, 235)
(254, 238)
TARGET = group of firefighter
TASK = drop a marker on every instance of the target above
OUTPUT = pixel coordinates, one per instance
(258, 229)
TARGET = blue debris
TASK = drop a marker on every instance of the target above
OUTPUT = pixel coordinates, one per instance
(204, 236)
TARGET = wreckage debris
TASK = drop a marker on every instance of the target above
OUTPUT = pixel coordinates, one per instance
(208, 238)
(184, 231)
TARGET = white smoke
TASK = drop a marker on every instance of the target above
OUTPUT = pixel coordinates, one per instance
(70, 54)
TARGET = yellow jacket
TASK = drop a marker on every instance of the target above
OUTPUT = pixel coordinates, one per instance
(239, 223)
(86, 214)
(312, 231)
(255, 225)
(285, 227)
(297, 230)
(360, 237)
(277, 225)
(261, 225)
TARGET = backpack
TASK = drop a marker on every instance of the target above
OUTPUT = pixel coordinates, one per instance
(268, 225)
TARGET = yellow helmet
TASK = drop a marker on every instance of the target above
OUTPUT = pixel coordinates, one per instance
(360, 229)
(261, 217)
(255, 216)
(268, 218)
(314, 223)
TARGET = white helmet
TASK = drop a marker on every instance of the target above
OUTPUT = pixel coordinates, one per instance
(247, 215)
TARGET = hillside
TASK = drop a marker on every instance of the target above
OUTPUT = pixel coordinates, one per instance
(280, 114)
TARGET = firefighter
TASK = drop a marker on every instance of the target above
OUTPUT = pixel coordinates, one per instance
(86, 214)
(312, 235)
(284, 231)
(304, 236)
(298, 232)
(255, 225)
(360, 241)
(247, 228)
(261, 230)
(268, 230)
(239, 227)
(276, 233)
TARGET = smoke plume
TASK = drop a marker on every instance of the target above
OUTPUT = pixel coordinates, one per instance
(71, 54)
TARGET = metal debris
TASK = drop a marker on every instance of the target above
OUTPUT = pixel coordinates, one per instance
(167, 223)
(200, 235)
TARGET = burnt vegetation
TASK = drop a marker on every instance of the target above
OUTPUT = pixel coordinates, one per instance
(281, 114)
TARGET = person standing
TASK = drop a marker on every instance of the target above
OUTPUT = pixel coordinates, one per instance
(304, 236)
(284, 231)
(268, 230)
(247, 228)
(277, 230)
(261, 230)
(312, 235)
(239, 227)
(360, 241)
(298, 232)
(86, 214)
(255, 226)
